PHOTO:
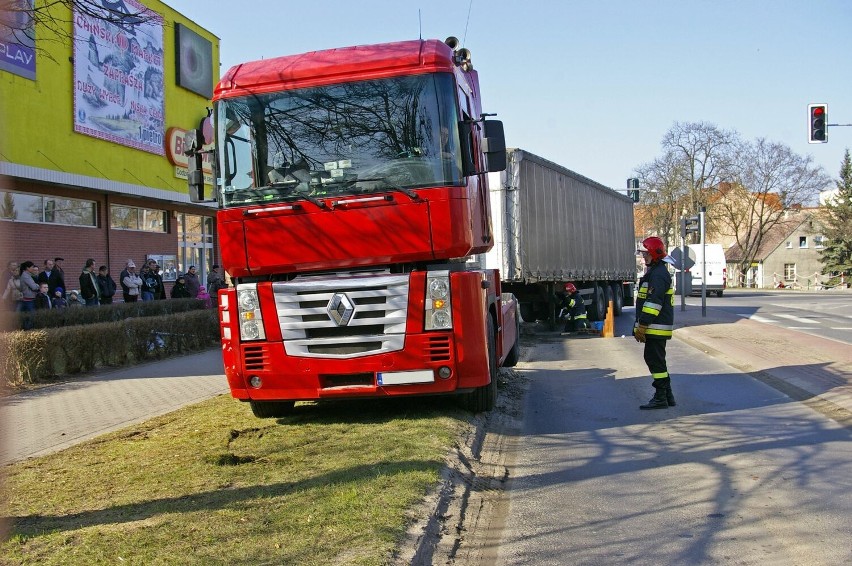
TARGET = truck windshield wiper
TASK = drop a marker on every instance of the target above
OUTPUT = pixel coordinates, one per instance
(389, 187)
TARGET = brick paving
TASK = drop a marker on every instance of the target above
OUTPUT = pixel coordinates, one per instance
(52, 418)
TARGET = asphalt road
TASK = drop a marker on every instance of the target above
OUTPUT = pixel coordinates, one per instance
(738, 473)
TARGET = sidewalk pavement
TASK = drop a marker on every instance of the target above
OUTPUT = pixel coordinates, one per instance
(49, 419)
(807, 368)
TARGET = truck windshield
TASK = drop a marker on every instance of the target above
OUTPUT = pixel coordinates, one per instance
(345, 139)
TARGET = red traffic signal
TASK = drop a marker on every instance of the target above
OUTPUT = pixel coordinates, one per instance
(817, 123)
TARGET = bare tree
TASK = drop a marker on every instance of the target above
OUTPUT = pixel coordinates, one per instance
(704, 152)
(662, 180)
(768, 180)
(19, 19)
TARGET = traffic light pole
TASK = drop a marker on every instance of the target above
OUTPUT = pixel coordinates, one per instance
(703, 263)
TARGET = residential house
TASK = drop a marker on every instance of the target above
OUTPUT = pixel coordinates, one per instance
(788, 256)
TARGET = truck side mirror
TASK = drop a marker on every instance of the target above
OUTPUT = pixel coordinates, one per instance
(193, 141)
(494, 146)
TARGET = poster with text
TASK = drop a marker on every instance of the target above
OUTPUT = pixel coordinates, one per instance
(118, 74)
(17, 38)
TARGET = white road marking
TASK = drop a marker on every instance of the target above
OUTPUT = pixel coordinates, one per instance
(796, 318)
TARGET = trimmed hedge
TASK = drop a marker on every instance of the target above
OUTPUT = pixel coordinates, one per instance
(45, 353)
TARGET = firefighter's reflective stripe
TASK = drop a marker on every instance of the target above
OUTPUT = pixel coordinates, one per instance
(662, 375)
(651, 308)
(660, 329)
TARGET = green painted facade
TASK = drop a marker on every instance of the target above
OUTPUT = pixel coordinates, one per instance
(37, 117)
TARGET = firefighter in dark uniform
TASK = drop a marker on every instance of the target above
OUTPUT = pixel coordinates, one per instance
(655, 319)
(573, 310)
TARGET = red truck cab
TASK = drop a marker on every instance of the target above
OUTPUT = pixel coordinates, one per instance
(352, 190)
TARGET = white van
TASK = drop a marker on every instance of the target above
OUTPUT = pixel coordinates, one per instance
(716, 268)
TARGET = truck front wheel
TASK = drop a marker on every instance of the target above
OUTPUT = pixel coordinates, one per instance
(272, 409)
(485, 398)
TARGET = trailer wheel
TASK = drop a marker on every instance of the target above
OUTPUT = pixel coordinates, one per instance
(485, 398)
(618, 299)
(514, 354)
(598, 306)
(272, 409)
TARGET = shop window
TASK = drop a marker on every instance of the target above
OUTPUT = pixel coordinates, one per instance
(133, 218)
(22, 207)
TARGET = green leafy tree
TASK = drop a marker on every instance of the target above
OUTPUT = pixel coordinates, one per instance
(837, 224)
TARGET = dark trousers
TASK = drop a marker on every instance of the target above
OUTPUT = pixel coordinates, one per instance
(655, 357)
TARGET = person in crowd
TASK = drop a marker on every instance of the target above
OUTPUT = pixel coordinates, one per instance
(179, 290)
(57, 263)
(655, 319)
(12, 292)
(204, 296)
(152, 282)
(215, 281)
(573, 310)
(58, 299)
(131, 283)
(89, 284)
(193, 284)
(145, 292)
(74, 299)
(29, 290)
(42, 298)
(52, 276)
(106, 285)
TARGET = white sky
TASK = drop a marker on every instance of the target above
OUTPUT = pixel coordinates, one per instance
(594, 85)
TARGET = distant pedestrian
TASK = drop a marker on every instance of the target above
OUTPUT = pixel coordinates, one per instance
(52, 276)
(204, 296)
(131, 283)
(58, 299)
(42, 298)
(193, 284)
(179, 290)
(12, 293)
(655, 319)
(152, 282)
(74, 299)
(215, 282)
(106, 285)
(29, 290)
(89, 284)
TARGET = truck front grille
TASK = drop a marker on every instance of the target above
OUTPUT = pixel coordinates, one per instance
(376, 323)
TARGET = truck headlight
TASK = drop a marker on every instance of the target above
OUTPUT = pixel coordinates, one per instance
(438, 307)
(248, 305)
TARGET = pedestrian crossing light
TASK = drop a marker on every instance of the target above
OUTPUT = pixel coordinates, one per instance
(817, 116)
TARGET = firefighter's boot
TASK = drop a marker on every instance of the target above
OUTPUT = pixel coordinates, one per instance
(669, 395)
(658, 401)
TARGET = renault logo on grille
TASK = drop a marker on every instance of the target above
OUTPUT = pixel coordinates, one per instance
(340, 309)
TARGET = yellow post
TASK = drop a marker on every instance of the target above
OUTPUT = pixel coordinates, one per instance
(609, 324)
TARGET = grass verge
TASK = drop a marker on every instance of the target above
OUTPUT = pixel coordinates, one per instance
(211, 484)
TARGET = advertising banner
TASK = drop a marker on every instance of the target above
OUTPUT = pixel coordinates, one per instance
(17, 39)
(118, 74)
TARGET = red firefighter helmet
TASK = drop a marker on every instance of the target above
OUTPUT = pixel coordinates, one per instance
(655, 247)
(570, 287)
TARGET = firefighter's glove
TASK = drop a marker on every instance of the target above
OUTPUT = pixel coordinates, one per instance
(639, 332)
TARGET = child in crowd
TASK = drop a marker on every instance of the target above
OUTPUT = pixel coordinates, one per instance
(59, 301)
(42, 298)
(203, 295)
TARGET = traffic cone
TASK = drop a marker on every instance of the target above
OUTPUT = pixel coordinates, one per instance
(609, 324)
